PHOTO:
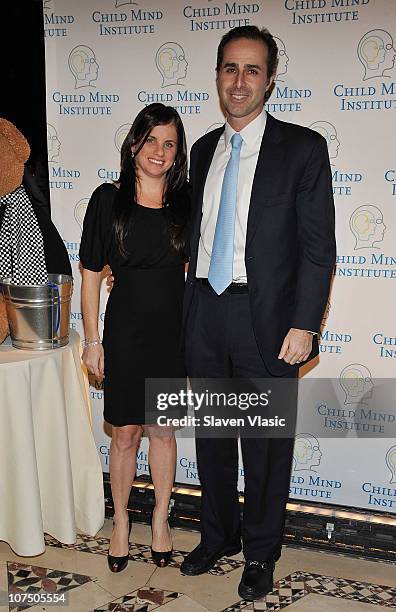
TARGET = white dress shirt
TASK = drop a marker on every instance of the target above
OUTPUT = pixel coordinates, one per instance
(252, 136)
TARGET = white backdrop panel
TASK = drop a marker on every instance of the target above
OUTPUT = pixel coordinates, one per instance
(337, 74)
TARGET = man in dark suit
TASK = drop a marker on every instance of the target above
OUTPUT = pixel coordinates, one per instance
(262, 254)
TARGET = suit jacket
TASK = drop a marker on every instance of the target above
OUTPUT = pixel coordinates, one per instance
(290, 244)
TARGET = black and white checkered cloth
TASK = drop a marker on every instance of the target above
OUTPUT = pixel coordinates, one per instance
(21, 242)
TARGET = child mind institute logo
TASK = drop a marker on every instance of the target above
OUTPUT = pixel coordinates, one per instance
(367, 226)
(343, 180)
(171, 63)
(283, 60)
(390, 460)
(356, 383)
(282, 96)
(79, 212)
(307, 453)
(53, 143)
(83, 66)
(121, 134)
(328, 131)
(376, 53)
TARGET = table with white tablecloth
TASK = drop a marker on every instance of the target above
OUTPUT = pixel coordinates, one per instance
(50, 473)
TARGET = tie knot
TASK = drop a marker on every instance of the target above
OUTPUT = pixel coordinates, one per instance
(236, 141)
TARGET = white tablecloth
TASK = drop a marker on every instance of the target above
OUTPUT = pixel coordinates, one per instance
(50, 472)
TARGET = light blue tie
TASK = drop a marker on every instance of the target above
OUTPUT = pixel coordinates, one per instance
(221, 262)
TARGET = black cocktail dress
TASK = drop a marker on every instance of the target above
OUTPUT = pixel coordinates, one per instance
(142, 327)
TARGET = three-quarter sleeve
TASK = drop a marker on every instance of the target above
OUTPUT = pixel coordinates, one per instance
(96, 235)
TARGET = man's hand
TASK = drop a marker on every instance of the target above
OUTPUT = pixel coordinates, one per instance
(296, 346)
(110, 281)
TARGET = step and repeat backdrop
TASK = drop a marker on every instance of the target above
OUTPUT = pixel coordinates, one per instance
(106, 59)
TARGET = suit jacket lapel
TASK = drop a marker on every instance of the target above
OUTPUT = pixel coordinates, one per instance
(270, 156)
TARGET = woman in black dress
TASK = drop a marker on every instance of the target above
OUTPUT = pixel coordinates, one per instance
(139, 227)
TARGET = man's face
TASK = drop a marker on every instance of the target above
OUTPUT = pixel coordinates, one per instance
(242, 80)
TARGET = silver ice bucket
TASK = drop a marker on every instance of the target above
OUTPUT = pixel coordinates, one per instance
(39, 315)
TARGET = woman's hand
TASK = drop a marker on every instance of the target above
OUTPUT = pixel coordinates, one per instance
(93, 359)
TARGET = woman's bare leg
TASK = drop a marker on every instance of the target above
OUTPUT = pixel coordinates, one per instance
(162, 460)
(123, 449)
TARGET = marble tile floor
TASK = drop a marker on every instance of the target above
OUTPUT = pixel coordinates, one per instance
(305, 580)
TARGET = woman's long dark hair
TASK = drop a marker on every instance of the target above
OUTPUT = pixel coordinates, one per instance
(176, 177)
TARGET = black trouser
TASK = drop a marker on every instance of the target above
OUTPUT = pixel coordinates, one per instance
(220, 343)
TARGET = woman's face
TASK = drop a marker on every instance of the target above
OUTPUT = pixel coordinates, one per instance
(158, 152)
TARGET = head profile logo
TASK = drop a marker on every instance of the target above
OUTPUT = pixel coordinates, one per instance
(367, 226)
(390, 460)
(328, 131)
(283, 60)
(356, 383)
(79, 211)
(120, 135)
(307, 453)
(83, 66)
(53, 143)
(376, 52)
(171, 63)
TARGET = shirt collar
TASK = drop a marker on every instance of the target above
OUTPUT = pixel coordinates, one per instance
(252, 134)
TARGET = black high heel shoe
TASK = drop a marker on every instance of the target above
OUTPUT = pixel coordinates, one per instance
(160, 558)
(117, 564)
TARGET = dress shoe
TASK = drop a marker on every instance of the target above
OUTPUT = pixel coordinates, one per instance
(201, 559)
(257, 580)
(117, 564)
